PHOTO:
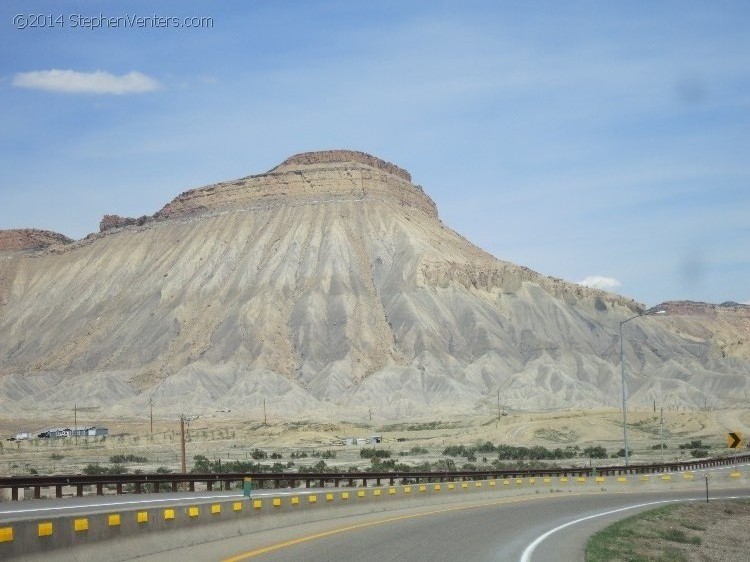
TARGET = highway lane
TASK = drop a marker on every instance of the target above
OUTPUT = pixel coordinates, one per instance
(90, 505)
(499, 529)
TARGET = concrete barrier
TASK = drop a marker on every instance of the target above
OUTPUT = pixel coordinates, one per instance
(159, 529)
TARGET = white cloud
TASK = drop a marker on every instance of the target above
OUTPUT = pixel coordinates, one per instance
(600, 282)
(74, 82)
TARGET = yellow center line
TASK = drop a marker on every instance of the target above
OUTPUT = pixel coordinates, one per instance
(286, 544)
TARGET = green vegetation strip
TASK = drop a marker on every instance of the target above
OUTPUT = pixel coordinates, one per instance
(677, 533)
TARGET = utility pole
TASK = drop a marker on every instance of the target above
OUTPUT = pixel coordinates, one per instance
(265, 419)
(661, 434)
(151, 406)
(370, 411)
(75, 422)
(182, 442)
(498, 404)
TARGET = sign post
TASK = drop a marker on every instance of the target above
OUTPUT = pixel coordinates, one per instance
(706, 487)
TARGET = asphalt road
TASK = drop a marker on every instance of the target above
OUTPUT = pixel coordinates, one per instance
(89, 505)
(500, 529)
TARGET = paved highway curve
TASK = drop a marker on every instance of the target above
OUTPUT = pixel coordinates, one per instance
(497, 529)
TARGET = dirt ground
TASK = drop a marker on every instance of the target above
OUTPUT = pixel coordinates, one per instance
(229, 438)
(690, 532)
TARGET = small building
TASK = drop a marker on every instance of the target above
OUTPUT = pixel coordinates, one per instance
(375, 439)
(57, 432)
(21, 436)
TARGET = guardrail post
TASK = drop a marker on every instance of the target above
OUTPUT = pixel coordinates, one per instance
(137, 487)
(175, 486)
(99, 489)
(119, 488)
(79, 490)
(58, 491)
(209, 486)
(37, 492)
(191, 486)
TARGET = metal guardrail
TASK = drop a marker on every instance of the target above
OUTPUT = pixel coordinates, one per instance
(156, 482)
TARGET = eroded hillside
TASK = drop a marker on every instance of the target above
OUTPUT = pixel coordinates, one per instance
(328, 285)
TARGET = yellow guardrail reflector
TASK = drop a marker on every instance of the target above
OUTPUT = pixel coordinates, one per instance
(312, 498)
(547, 480)
(215, 509)
(622, 479)
(451, 486)
(436, 487)
(258, 504)
(329, 497)
(464, 485)
(519, 481)
(582, 479)
(532, 480)
(735, 474)
(6, 534)
(600, 479)
(392, 491)
(666, 477)
(644, 478)
(113, 520)
(407, 489)
(422, 488)
(193, 511)
(376, 492)
(688, 476)
(563, 479)
(44, 529)
(506, 482)
(81, 524)
(360, 493)
(276, 502)
(492, 482)
(295, 500)
(344, 495)
(237, 506)
(142, 517)
(168, 514)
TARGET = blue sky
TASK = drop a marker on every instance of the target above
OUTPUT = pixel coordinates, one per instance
(606, 141)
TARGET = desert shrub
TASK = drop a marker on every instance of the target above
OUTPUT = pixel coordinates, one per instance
(374, 453)
(597, 452)
(122, 459)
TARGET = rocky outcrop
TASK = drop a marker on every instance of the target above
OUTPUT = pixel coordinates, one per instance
(307, 178)
(340, 157)
(109, 222)
(30, 239)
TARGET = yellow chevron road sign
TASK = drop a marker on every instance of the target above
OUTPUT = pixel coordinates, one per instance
(734, 440)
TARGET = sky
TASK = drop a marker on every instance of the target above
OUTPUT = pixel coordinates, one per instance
(604, 143)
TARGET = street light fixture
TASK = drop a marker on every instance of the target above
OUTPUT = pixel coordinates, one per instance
(622, 380)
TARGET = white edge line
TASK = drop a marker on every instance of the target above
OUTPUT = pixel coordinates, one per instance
(529, 550)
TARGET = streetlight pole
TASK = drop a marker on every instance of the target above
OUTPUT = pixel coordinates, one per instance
(622, 381)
